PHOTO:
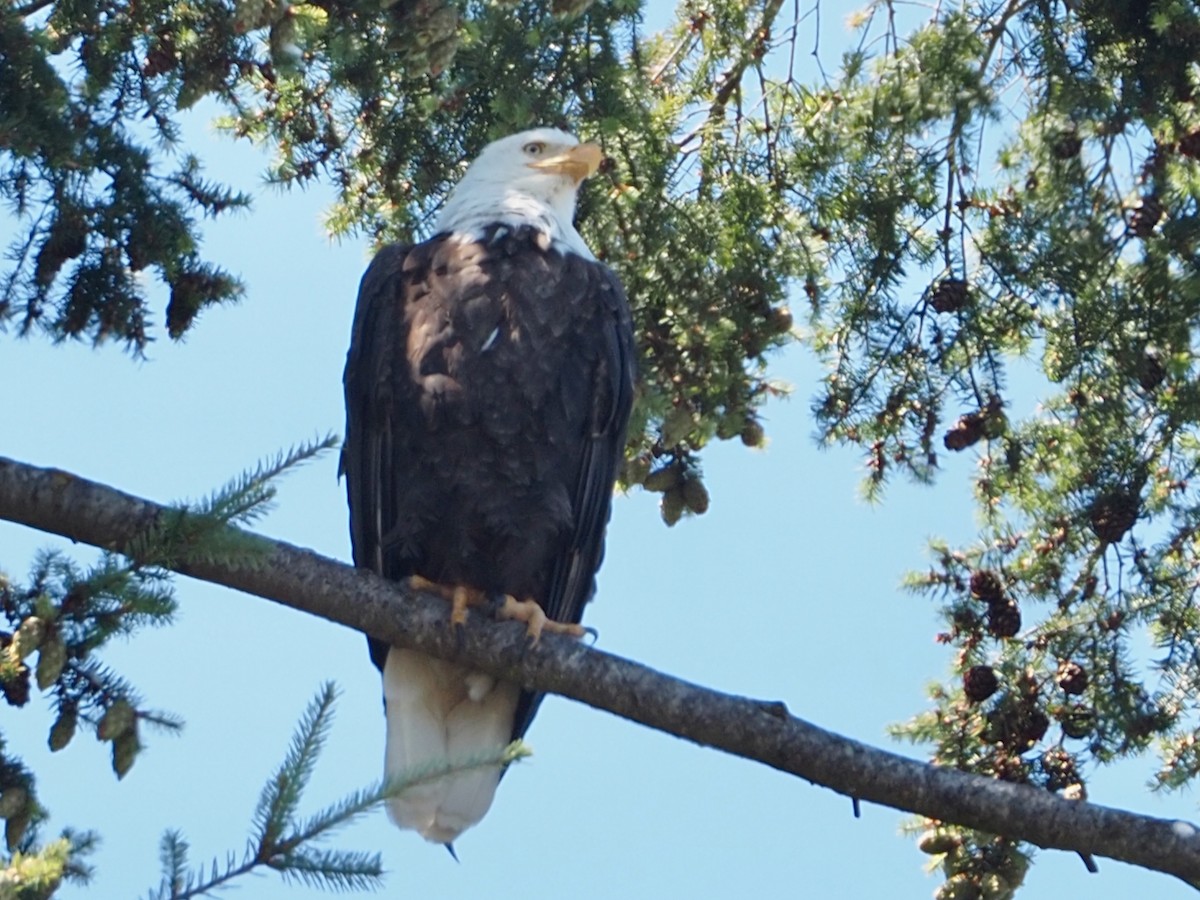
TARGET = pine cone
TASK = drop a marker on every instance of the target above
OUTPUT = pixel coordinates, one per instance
(986, 586)
(662, 480)
(1034, 726)
(1146, 216)
(1059, 768)
(118, 719)
(1189, 144)
(14, 801)
(28, 637)
(63, 729)
(671, 506)
(124, 751)
(979, 683)
(780, 320)
(1077, 722)
(14, 831)
(1113, 514)
(16, 688)
(52, 658)
(958, 887)
(938, 840)
(950, 295)
(695, 495)
(753, 434)
(1071, 677)
(1011, 768)
(968, 430)
(1003, 619)
(1067, 145)
(1151, 372)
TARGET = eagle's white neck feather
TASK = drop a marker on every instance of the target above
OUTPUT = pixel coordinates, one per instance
(469, 213)
(500, 187)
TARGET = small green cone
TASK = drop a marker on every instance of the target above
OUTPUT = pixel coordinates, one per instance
(14, 801)
(695, 495)
(753, 434)
(52, 658)
(125, 751)
(120, 718)
(938, 840)
(14, 830)
(672, 505)
(28, 637)
(662, 480)
(63, 729)
(44, 607)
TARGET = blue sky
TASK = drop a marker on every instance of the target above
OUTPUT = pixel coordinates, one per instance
(787, 589)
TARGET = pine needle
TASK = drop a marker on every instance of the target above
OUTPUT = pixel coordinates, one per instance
(248, 497)
(281, 794)
(197, 532)
(279, 842)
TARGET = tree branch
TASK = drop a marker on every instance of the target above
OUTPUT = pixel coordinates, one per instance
(753, 48)
(61, 503)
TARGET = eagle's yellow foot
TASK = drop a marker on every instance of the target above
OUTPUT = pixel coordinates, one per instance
(463, 599)
(535, 619)
(460, 597)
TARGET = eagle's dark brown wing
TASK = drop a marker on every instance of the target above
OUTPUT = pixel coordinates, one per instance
(367, 450)
(488, 387)
(608, 400)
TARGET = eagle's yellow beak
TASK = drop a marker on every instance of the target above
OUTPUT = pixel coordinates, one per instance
(579, 162)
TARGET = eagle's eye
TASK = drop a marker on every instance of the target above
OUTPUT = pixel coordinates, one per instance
(534, 148)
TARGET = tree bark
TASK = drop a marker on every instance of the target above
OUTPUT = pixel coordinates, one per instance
(60, 503)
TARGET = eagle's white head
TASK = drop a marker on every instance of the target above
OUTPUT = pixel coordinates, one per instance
(529, 178)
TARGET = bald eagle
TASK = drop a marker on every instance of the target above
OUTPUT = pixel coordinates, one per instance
(488, 387)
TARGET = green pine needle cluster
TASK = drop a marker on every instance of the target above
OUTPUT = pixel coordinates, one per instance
(289, 845)
(250, 496)
(196, 530)
(58, 622)
(696, 211)
(1009, 197)
(37, 874)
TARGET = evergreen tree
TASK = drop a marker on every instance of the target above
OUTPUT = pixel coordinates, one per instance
(1002, 194)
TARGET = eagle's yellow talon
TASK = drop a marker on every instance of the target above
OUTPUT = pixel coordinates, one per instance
(421, 583)
(460, 597)
(462, 601)
(536, 622)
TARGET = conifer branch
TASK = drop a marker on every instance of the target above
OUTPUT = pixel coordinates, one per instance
(58, 502)
(754, 46)
(289, 847)
(249, 496)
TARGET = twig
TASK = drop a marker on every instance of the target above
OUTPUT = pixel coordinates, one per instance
(753, 44)
(751, 50)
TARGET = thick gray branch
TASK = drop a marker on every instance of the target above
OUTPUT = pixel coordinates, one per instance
(60, 503)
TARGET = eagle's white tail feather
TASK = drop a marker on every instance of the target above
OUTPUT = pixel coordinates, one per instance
(416, 733)
(439, 711)
(474, 727)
